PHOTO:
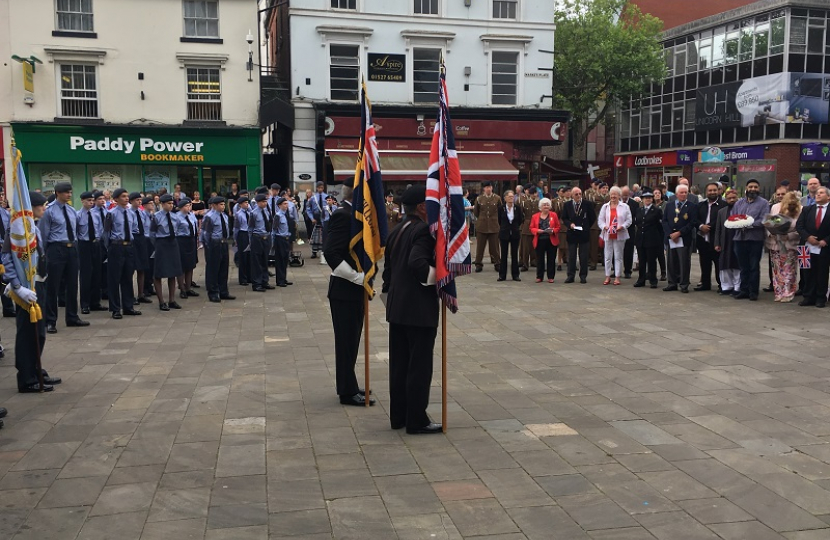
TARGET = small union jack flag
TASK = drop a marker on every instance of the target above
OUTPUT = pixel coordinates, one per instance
(803, 257)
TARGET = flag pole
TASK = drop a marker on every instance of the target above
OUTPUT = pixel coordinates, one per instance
(366, 345)
(444, 366)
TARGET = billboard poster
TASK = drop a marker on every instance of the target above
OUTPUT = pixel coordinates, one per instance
(781, 98)
(815, 152)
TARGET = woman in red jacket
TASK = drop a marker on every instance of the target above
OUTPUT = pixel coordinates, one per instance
(545, 228)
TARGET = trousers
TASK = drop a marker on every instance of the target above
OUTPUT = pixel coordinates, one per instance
(259, 260)
(410, 374)
(492, 241)
(90, 273)
(648, 264)
(243, 257)
(628, 256)
(708, 257)
(580, 249)
(614, 249)
(730, 279)
(120, 269)
(63, 265)
(29, 340)
(749, 254)
(680, 262)
(347, 321)
(217, 262)
(281, 250)
(545, 258)
(513, 245)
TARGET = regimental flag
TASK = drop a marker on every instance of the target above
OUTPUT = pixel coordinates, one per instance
(445, 203)
(369, 223)
(22, 234)
(803, 257)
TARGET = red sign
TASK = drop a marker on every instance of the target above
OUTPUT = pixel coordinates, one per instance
(756, 168)
(711, 169)
(664, 159)
(618, 162)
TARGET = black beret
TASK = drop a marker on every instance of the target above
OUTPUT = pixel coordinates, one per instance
(241, 200)
(118, 192)
(276, 186)
(321, 184)
(243, 192)
(281, 200)
(63, 187)
(785, 183)
(487, 184)
(145, 200)
(261, 197)
(414, 195)
(97, 194)
(37, 199)
(216, 200)
(184, 201)
(87, 195)
(51, 199)
(261, 189)
(166, 198)
(390, 194)
(134, 195)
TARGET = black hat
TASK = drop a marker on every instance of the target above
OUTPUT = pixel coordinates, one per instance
(724, 178)
(261, 197)
(146, 200)
(184, 201)
(241, 200)
(602, 185)
(166, 198)
(216, 200)
(97, 194)
(50, 199)
(595, 181)
(276, 186)
(63, 187)
(281, 200)
(390, 194)
(87, 195)
(753, 181)
(37, 199)
(785, 183)
(486, 184)
(261, 189)
(118, 192)
(320, 184)
(414, 195)
(134, 195)
(243, 192)
(646, 193)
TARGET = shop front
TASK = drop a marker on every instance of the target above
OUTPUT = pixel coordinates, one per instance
(815, 162)
(651, 169)
(144, 159)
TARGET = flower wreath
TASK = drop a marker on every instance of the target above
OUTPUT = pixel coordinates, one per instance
(739, 221)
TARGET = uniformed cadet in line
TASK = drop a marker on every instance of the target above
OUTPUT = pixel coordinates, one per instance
(233, 210)
(281, 231)
(148, 206)
(243, 240)
(412, 313)
(393, 213)
(486, 211)
(167, 263)
(216, 236)
(58, 229)
(530, 205)
(141, 248)
(315, 210)
(259, 228)
(100, 208)
(187, 228)
(120, 227)
(25, 348)
(564, 195)
(5, 224)
(90, 254)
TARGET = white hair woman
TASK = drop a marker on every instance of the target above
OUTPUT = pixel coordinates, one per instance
(545, 228)
(613, 221)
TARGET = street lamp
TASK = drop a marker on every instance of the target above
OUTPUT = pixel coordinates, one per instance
(250, 39)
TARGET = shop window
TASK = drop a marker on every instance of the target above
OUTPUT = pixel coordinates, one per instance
(344, 4)
(426, 7)
(344, 71)
(79, 91)
(655, 120)
(201, 18)
(505, 77)
(505, 9)
(425, 72)
(204, 94)
(74, 15)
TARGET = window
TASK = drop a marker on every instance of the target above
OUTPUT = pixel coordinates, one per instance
(425, 75)
(690, 114)
(344, 71)
(731, 48)
(201, 18)
(343, 4)
(79, 91)
(504, 9)
(761, 40)
(426, 7)
(777, 33)
(204, 94)
(505, 77)
(74, 15)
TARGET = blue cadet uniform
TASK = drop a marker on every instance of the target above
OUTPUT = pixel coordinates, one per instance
(120, 228)
(243, 241)
(216, 236)
(167, 262)
(259, 232)
(90, 251)
(282, 243)
(317, 210)
(146, 219)
(141, 248)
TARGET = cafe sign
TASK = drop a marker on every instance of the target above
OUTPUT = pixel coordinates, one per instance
(387, 67)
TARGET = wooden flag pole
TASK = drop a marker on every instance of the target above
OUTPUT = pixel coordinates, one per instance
(444, 366)
(366, 345)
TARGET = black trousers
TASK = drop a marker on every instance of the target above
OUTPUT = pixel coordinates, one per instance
(243, 257)
(30, 337)
(148, 274)
(281, 249)
(513, 244)
(62, 264)
(544, 249)
(648, 264)
(628, 255)
(90, 273)
(661, 260)
(581, 248)
(120, 270)
(680, 262)
(817, 277)
(260, 245)
(347, 320)
(410, 374)
(708, 257)
(8, 304)
(216, 268)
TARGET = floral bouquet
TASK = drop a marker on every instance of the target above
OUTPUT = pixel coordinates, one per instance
(778, 224)
(739, 221)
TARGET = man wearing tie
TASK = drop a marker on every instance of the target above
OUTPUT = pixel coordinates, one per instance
(240, 235)
(58, 228)
(119, 230)
(707, 213)
(282, 242)
(814, 228)
(216, 234)
(101, 210)
(577, 217)
(679, 223)
(259, 229)
(316, 211)
(90, 232)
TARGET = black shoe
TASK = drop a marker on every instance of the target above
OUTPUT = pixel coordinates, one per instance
(282, 284)
(34, 388)
(670, 288)
(799, 292)
(269, 286)
(583, 280)
(768, 288)
(684, 290)
(51, 380)
(3, 412)
(569, 280)
(356, 400)
(653, 285)
(9, 313)
(164, 307)
(132, 312)
(214, 299)
(558, 267)
(244, 283)
(258, 289)
(50, 329)
(741, 296)
(98, 308)
(703, 288)
(592, 267)
(517, 278)
(640, 284)
(145, 300)
(432, 427)
(117, 315)
(79, 322)
(227, 297)
(719, 289)
(663, 277)
(195, 285)
(362, 392)
(524, 269)
(627, 275)
(183, 295)
(725, 292)
(753, 297)
(806, 302)
(192, 293)
(479, 269)
(501, 279)
(84, 311)
(398, 426)
(174, 305)
(288, 282)
(821, 304)
(313, 256)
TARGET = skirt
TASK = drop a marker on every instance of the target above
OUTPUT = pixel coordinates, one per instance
(187, 252)
(141, 247)
(167, 262)
(317, 238)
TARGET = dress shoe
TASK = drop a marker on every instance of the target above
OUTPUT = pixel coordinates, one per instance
(583, 280)
(741, 296)
(663, 277)
(244, 283)
(192, 293)
(79, 322)
(558, 267)
(288, 282)
(653, 285)
(703, 288)
(51, 380)
(502, 279)
(524, 269)
(117, 315)
(432, 427)
(768, 288)
(362, 392)
(50, 329)
(9, 313)
(684, 290)
(34, 388)
(806, 302)
(269, 286)
(517, 278)
(183, 295)
(479, 269)
(145, 300)
(627, 275)
(195, 285)
(719, 289)
(174, 305)
(258, 289)
(799, 292)
(164, 307)
(592, 267)
(725, 292)
(84, 311)
(3, 412)
(214, 299)
(821, 304)
(132, 312)
(640, 284)
(670, 288)
(98, 308)
(356, 400)
(227, 297)
(282, 285)
(569, 280)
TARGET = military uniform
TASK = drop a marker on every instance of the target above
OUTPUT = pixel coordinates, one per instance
(557, 205)
(486, 211)
(527, 255)
(393, 216)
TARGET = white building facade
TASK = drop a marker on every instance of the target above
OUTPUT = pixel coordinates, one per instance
(140, 94)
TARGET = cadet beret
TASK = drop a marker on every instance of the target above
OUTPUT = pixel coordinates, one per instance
(321, 184)
(118, 192)
(241, 200)
(51, 199)
(166, 198)
(414, 195)
(97, 194)
(184, 202)
(243, 192)
(276, 186)
(281, 200)
(216, 200)
(785, 183)
(487, 184)
(145, 200)
(261, 197)
(261, 189)
(87, 195)
(63, 187)
(37, 199)
(134, 195)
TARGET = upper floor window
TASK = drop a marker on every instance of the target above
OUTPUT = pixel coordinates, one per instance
(426, 7)
(505, 77)
(201, 18)
(344, 71)
(425, 65)
(78, 91)
(74, 15)
(343, 4)
(505, 9)
(204, 93)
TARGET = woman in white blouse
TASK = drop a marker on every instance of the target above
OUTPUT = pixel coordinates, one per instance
(613, 221)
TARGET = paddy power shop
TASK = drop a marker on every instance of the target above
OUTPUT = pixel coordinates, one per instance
(139, 158)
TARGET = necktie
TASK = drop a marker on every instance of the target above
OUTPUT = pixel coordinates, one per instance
(818, 216)
(273, 206)
(91, 226)
(140, 223)
(190, 225)
(171, 233)
(128, 234)
(224, 227)
(320, 205)
(70, 234)
(267, 223)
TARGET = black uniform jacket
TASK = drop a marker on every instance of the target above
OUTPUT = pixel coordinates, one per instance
(649, 227)
(336, 250)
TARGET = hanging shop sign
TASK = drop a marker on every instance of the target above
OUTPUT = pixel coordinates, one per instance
(387, 67)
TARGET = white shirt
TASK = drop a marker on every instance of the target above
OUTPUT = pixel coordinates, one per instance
(509, 210)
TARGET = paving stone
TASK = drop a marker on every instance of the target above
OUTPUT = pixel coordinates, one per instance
(129, 527)
(292, 495)
(245, 460)
(595, 511)
(190, 529)
(772, 510)
(237, 515)
(359, 517)
(718, 510)
(169, 505)
(461, 490)
(676, 485)
(546, 523)
(299, 522)
(566, 484)
(675, 526)
(746, 529)
(53, 523)
(408, 495)
(628, 533)
(238, 490)
(238, 533)
(193, 456)
(73, 492)
(479, 517)
(124, 498)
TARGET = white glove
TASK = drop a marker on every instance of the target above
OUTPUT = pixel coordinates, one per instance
(430, 277)
(358, 278)
(344, 271)
(27, 295)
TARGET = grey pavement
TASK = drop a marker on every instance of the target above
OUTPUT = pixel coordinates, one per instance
(575, 412)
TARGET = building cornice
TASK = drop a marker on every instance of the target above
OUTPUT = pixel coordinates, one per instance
(458, 113)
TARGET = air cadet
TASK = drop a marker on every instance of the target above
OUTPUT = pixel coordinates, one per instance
(316, 212)
(486, 211)
(58, 228)
(187, 228)
(243, 240)
(281, 232)
(141, 248)
(90, 254)
(148, 206)
(102, 211)
(259, 229)
(530, 205)
(216, 235)
(167, 263)
(120, 227)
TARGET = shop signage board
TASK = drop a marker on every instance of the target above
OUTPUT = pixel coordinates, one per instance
(664, 159)
(106, 180)
(761, 170)
(815, 152)
(740, 153)
(387, 67)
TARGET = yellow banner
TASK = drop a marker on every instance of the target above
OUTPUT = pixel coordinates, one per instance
(28, 78)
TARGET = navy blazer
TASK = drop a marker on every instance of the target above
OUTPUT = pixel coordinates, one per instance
(684, 220)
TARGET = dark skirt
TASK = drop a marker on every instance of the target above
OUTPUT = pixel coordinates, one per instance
(187, 252)
(141, 247)
(168, 262)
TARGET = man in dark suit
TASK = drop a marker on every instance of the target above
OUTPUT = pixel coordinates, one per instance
(346, 300)
(628, 250)
(814, 228)
(707, 215)
(648, 239)
(679, 224)
(412, 313)
(577, 217)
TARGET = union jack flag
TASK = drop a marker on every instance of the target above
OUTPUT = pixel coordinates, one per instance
(445, 203)
(803, 257)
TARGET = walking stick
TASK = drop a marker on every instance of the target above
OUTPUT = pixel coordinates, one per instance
(444, 366)
(366, 344)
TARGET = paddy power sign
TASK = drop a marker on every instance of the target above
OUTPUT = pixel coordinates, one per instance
(148, 149)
